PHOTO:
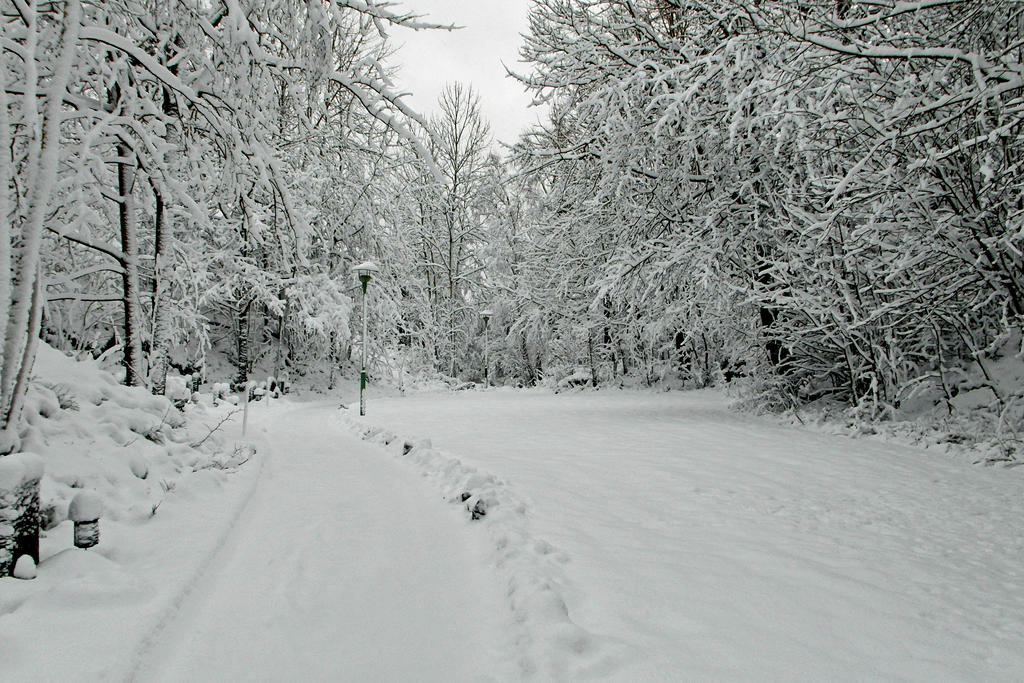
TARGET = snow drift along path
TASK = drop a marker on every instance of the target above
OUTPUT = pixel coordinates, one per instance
(709, 545)
(343, 567)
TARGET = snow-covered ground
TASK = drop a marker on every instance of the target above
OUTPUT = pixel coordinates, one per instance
(335, 563)
(168, 502)
(315, 558)
(691, 542)
(621, 536)
(343, 567)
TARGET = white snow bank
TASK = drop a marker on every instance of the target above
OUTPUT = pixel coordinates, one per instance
(165, 504)
(965, 412)
(721, 546)
(123, 443)
(552, 645)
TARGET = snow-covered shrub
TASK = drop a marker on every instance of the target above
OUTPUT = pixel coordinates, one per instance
(578, 378)
(220, 391)
(20, 475)
(65, 396)
(120, 443)
(177, 390)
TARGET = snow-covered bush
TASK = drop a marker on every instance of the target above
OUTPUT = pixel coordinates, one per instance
(119, 444)
(578, 378)
(20, 475)
(220, 390)
(178, 390)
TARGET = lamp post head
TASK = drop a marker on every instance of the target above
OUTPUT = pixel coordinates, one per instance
(366, 270)
(486, 315)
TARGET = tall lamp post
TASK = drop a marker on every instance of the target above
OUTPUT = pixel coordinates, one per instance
(486, 315)
(365, 271)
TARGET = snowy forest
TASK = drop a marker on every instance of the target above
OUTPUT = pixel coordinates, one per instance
(824, 198)
(714, 371)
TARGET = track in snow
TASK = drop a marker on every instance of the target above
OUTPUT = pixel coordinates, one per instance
(343, 567)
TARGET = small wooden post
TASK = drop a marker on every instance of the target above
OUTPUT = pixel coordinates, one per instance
(85, 510)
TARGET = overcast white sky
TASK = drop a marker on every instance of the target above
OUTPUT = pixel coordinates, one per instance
(473, 54)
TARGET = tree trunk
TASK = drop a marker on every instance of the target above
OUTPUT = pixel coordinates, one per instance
(531, 375)
(126, 173)
(159, 349)
(451, 333)
(162, 264)
(776, 349)
(24, 293)
(331, 360)
(6, 182)
(282, 332)
(242, 347)
(593, 364)
(32, 343)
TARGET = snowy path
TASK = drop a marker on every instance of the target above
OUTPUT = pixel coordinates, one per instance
(718, 546)
(343, 567)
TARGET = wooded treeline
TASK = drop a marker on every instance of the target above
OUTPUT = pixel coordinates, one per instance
(824, 197)
(175, 172)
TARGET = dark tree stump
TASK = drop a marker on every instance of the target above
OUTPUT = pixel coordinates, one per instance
(19, 509)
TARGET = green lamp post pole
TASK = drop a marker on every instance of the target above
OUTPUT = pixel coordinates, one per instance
(365, 272)
(486, 315)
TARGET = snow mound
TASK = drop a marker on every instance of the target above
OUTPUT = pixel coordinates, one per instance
(169, 484)
(127, 446)
(553, 646)
(84, 578)
(25, 568)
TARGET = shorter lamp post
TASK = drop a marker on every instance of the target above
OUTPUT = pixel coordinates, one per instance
(486, 315)
(365, 271)
(85, 510)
